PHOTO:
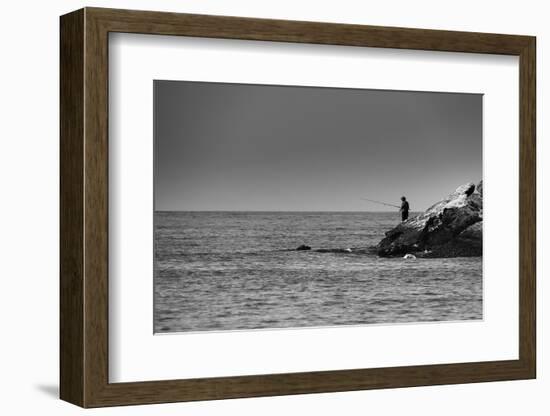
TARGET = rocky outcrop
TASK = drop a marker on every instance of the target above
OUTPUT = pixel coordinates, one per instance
(450, 228)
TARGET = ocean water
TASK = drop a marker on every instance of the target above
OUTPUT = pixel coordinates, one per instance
(236, 270)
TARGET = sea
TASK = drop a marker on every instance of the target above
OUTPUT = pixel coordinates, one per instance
(220, 271)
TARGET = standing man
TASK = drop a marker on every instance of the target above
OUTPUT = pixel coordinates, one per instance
(404, 209)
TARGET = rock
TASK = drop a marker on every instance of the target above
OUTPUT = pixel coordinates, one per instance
(471, 189)
(303, 247)
(479, 188)
(443, 230)
(473, 233)
(469, 243)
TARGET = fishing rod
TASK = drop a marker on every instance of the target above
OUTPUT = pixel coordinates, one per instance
(381, 203)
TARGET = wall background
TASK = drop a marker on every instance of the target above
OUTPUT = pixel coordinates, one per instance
(29, 209)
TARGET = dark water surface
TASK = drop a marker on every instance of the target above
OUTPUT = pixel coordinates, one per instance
(233, 270)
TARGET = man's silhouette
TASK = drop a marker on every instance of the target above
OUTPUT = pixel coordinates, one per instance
(404, 209)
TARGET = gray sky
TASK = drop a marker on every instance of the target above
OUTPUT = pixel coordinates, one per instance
(284, 148)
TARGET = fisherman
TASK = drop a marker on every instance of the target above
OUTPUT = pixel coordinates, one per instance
(404, 210)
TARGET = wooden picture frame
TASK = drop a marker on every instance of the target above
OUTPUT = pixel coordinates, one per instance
(84, 207)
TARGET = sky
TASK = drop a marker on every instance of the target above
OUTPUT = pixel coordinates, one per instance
(241, 147)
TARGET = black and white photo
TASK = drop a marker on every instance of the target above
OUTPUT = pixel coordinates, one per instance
(288, 206)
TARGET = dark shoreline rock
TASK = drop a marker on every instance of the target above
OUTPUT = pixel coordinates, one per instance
(351, 250)
(450, 228)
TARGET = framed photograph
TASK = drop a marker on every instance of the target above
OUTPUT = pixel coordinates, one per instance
(255, 207)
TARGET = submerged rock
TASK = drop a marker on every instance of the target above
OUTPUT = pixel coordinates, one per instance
(335, 250)
(448, 228)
